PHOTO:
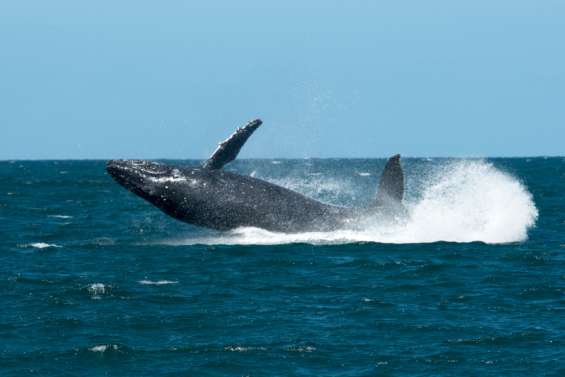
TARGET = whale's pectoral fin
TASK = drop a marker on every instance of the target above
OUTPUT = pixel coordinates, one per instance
(228, 149)
(391, 185)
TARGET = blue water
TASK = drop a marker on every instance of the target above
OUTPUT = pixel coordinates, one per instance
(94, 281)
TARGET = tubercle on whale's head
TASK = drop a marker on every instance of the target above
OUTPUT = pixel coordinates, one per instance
(138, 176)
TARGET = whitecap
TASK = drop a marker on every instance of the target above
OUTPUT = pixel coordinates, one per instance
(96, 290)
(43, 245)
(157, 282)
(61, 216)
(364, 174)
(301, 349)
(243, 349)
(103, 347)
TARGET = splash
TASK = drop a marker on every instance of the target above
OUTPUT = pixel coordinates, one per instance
(327, 189)
(472, 201)
(463, 201)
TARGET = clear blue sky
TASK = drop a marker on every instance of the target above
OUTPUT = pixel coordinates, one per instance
(169, 79)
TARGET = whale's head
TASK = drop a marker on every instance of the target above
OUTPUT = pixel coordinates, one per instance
(153, 181)
(138, 176)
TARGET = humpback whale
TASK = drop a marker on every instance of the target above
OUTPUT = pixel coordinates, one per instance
(209, 196)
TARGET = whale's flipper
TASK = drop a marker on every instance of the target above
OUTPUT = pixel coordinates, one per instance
(228, 149)
(391, 186)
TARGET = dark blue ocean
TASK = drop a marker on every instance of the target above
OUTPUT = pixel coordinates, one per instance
(96, 282)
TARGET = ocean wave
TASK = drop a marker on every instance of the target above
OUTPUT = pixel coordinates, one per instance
(462, 201)
(157, 282)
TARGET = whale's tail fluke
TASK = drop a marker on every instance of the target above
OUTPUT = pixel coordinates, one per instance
(391, 185)
(228, 149)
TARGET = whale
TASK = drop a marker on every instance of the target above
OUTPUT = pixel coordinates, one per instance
(209, 196)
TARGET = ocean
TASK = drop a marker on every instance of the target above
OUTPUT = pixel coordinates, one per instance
(94, 281)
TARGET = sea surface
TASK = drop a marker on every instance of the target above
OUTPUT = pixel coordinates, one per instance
(96, 282)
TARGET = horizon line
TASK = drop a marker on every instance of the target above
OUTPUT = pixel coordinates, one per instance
(278, 158)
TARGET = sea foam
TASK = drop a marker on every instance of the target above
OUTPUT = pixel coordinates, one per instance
(461, 201)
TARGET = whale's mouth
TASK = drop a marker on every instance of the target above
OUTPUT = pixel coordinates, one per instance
(135, 175)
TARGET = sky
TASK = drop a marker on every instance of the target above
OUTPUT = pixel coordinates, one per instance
(170, 79)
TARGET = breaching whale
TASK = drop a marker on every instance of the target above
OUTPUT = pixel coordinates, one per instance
(211, 197)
